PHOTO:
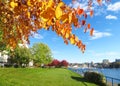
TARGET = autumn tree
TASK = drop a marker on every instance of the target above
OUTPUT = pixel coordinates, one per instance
(20, 18)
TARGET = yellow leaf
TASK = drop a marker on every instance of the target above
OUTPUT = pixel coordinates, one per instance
(50, 3)
(67, 35)
(76, 39)
(44, 19)
(13, 4)
(65, 20)
(70, 17)
(44, 4)
(58, 11)
(38, 0)
(28, 13)
(63, 31)
(29, 3)
(72, 41)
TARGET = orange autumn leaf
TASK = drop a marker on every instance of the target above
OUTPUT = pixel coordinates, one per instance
(91, 13)
(57, 23)
(88, 26)
(99, 2)
(80, 11)
(79, 43)
(83, 47)
(91, 32)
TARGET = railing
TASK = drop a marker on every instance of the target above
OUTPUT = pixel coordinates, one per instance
(113, 83)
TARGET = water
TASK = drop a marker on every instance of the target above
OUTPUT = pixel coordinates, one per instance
(114, 73)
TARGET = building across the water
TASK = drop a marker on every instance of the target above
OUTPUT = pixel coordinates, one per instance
(117, 60)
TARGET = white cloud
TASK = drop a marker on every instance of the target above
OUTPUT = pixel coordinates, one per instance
(114, 7)
(37, 36)
(111, 17)
(97, 35)
(77, 4)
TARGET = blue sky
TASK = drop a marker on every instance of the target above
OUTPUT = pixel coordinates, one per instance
(104, 44)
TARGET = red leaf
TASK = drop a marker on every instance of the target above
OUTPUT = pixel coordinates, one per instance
(80, 11)
(85, 15)
(66, 42)
(83, 22)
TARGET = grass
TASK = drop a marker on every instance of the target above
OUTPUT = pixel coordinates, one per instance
(40, 77)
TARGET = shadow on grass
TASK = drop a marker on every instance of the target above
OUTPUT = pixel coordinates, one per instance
(80, 79)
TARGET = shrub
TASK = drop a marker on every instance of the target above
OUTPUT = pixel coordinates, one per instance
(7, 65)
(119, 84)
(55, 63)
(64, 63)
(96, 78)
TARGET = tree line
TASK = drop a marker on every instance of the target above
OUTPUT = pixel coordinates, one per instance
(40, 54)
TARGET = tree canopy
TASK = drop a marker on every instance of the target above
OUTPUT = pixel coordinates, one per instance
(20, 56)
(20, 18)
(41, 54)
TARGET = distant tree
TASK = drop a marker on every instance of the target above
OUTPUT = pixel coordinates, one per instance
(41, 54)
(64, 63)
(20, 56)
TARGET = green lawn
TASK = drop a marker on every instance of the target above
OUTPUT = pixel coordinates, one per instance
(40, 77)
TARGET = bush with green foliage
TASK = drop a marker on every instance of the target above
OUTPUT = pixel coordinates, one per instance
(96, 78)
